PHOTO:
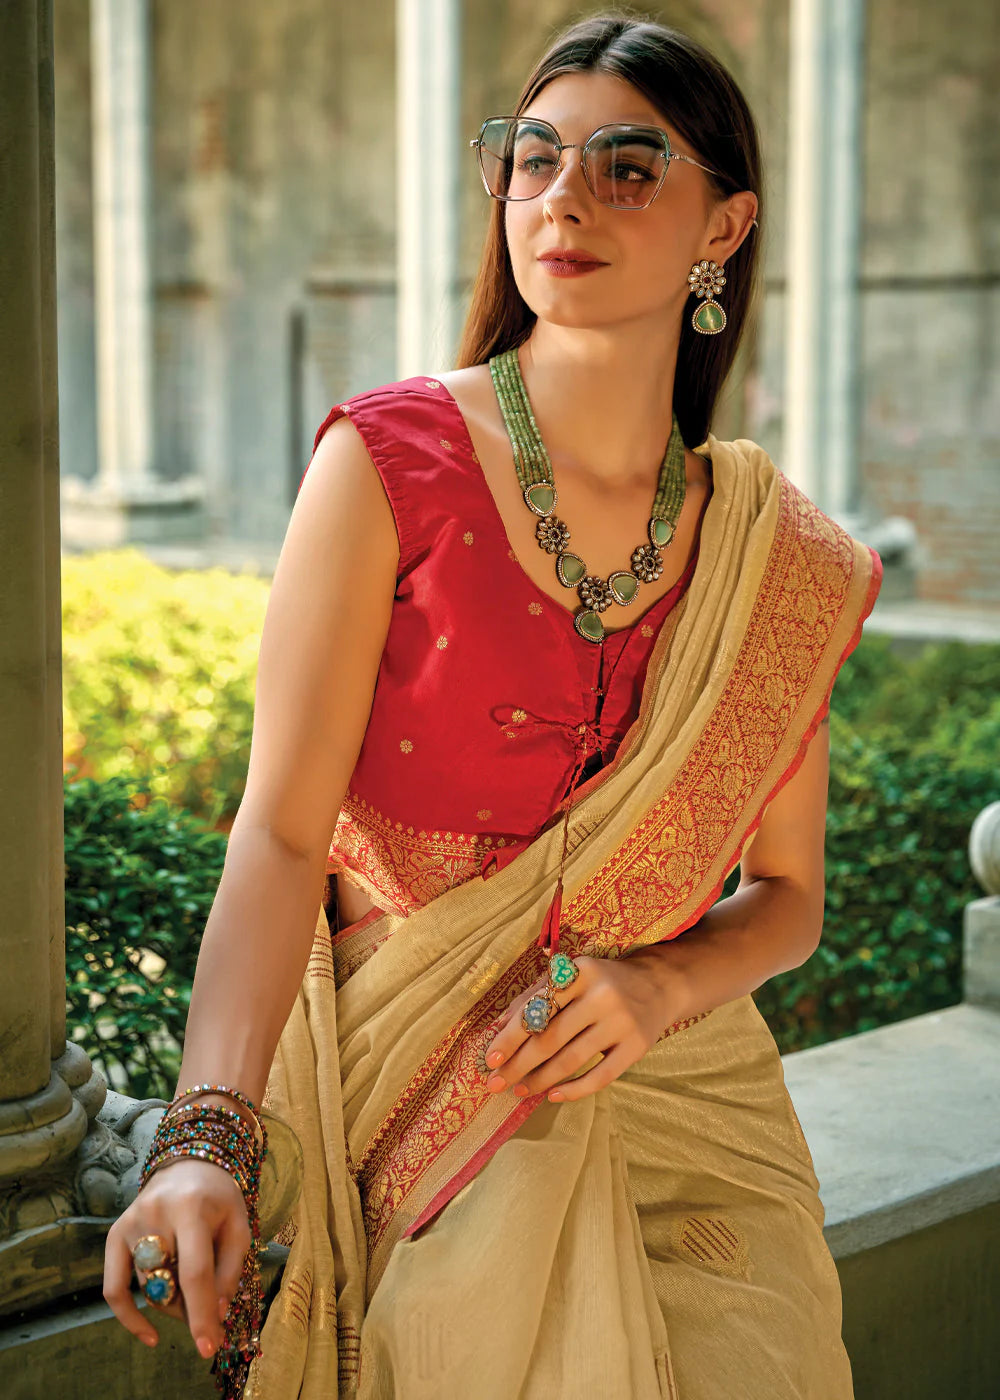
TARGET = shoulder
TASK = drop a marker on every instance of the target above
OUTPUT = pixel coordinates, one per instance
(743, 467)
(418, 399)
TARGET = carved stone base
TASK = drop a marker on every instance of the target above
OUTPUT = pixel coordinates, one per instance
(97, 516)
(64, 1176)
(70, 1160)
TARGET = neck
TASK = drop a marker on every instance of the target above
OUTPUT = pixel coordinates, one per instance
(602, 399)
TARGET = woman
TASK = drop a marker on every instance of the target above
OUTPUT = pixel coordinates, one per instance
(548, 1149)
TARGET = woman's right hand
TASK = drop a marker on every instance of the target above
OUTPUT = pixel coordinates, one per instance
(199, 1210)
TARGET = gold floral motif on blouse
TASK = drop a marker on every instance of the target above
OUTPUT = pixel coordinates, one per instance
(442, 642)
(467, 537)
(406, 745)
(403, 867)
(534, 608)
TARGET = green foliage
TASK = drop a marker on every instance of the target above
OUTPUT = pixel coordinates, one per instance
(158, 676)
(140, 882)
(914, 737)
(897, 880)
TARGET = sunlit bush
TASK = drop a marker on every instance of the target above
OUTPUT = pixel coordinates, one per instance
(159, 670)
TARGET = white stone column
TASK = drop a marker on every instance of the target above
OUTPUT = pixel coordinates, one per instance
(126, 501)
(825, 201)
(428, 112)
(981, 941)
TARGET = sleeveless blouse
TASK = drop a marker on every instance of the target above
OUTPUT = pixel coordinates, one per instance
(487, 710)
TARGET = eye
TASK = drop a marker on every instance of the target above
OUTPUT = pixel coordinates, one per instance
(534, 165)
(626, 170)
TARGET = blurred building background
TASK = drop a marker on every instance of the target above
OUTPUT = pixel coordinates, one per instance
(230, 251)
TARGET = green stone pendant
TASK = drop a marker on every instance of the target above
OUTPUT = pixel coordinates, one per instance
(661, 532)
(570, 569)
(589, 625)
(624, 586)
(709, 318)
(540, 497)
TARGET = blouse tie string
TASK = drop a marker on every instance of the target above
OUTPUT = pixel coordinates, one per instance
(587, 737)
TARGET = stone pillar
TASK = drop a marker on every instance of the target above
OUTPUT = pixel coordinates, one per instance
(825, 186)
(981, 943)
(70, 1151)
(59, 1167)
(42, 1123)
(126, 501)
(427, 152)
(30, 908)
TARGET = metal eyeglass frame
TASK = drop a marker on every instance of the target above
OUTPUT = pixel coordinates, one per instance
(571, 146)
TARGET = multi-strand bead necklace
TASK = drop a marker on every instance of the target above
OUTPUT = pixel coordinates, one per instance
(534, 472)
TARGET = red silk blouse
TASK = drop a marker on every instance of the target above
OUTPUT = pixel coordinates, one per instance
(487, 709)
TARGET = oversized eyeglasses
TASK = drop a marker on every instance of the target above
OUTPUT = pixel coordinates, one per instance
(624, 164)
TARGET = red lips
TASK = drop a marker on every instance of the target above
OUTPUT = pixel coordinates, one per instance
(569, 255)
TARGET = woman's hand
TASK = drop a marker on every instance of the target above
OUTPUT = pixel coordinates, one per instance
(199, 1210)
(616, 1008)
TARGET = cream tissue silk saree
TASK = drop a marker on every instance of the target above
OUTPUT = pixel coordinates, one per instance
(662, 1239)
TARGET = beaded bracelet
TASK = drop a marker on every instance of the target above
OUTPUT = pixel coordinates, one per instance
(204, 1150)
(188, 1128)
(218, 1089)
(209, 1132)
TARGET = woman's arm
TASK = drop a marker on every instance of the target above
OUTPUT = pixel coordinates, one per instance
(324, 631)
(773, 920)
(617, 1008)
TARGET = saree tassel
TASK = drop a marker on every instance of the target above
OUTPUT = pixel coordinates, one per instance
(549, 936)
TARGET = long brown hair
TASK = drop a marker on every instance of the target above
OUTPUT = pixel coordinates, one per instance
(698, 96)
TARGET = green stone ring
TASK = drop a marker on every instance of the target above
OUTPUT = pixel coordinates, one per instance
(563, 971)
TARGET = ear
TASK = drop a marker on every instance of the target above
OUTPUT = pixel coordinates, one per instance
(730, 222)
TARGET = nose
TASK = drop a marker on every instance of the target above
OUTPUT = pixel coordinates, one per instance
(569, 184)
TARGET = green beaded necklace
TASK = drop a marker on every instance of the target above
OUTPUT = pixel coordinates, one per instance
(534, 472)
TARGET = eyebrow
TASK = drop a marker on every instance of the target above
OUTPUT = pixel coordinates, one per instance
(536, 123)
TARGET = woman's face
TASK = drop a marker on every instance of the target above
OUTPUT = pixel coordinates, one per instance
(648, 253)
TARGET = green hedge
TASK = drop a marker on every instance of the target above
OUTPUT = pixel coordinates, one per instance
(140, 882)
(159, 671)
(897, 881)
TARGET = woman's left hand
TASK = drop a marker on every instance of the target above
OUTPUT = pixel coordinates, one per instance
(616, 1008)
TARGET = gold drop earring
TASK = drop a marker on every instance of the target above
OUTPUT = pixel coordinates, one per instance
(706, 280)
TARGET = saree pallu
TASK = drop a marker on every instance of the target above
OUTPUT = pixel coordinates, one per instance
(663, 1237)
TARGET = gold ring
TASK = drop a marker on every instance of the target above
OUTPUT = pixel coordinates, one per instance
(160, 1287)
(563, 972)
(153, 1255)
(538, 1011)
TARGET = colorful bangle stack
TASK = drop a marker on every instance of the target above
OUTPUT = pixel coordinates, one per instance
(212, 1133)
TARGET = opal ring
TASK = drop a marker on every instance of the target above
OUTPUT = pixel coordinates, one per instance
(154, 1257)
(538, 1011)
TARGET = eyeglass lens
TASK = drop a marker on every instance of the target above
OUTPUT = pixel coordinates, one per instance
(623, 167)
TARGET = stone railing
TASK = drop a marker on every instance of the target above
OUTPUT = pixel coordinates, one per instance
(904, 1127)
